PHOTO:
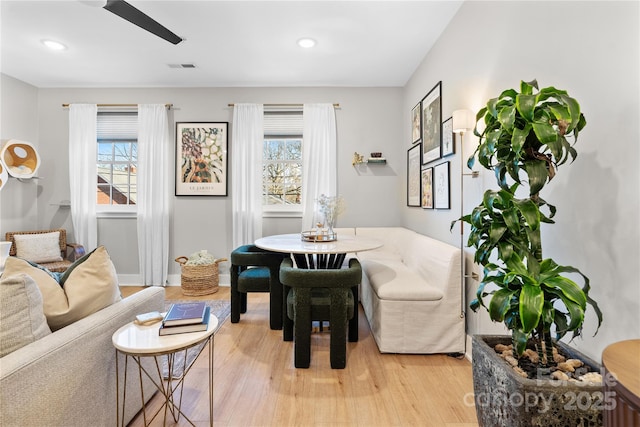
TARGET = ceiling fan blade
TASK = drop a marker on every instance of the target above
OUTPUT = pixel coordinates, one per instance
(135, 16)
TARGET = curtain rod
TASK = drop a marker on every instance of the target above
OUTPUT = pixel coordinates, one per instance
(117, 105)
(284, 105)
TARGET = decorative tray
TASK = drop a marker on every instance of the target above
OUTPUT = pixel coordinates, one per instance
(318, 236)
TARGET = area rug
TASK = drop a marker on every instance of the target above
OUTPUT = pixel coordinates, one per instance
(219, 308)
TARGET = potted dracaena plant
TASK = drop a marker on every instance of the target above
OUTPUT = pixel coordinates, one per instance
(524, 141)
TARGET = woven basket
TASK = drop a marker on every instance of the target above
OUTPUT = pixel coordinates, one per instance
(197, 280)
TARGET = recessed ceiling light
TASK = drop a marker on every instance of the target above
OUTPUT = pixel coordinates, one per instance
(306, 42)
(53, 45)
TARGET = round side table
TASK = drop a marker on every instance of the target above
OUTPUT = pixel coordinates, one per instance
(136, 341)
(622, 361)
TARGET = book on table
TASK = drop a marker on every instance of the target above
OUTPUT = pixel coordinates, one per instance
(182, 329)
(185, 313)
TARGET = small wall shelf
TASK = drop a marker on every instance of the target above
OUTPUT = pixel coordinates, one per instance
(376, 161)
(358, 159)
(65, 204)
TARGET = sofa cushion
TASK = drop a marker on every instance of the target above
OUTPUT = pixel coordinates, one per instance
(22, 319)
(89, 285)
(392, 280)
(40, 247)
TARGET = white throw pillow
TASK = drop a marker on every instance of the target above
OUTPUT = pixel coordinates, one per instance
(38, 248)
(22, 319)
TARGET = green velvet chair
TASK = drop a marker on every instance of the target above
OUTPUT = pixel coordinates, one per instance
(320, 295)
(256, 270)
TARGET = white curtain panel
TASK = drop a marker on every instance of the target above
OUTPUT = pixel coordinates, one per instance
(319, 163)
(246, 183)
(153, 193)
(83, 172)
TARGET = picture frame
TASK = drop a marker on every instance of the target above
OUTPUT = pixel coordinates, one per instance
(432, 124)
(426, 178)
(448, 143)
(416, 123)
(413, 176)
(441, 186)
(201, 160)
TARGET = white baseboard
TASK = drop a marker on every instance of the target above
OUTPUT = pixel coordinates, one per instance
(172, 280)
(467, 353)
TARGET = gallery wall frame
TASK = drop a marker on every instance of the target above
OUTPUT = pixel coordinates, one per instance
(414, 186)
(201, 158)
(416, 123)
(432, 124)
(427, 188)
(448, 146)
(441, 186)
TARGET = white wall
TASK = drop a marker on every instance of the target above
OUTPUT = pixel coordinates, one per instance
(19, 120)
(591, 49)
(369, 119)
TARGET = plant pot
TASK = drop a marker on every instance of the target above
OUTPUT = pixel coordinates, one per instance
(503, 398)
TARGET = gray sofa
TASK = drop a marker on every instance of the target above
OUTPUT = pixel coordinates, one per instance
(68, 378)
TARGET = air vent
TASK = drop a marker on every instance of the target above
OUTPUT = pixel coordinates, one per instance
(182, 66)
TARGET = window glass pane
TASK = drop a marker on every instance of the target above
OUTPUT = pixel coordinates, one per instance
(294, 150)
(122, 151)
(273, 149)
(105, 152)
(282, 160)
(117, 158)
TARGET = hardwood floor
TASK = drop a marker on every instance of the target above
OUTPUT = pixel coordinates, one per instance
(257, 385)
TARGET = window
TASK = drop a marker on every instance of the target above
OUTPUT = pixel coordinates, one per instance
(117, 161)
(282, 162)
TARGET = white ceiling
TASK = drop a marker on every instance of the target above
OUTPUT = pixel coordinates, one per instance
(231, 43)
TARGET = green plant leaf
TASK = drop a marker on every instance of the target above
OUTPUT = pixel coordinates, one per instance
(569, 289)
(507, 116)
(519, 340)
(505, 249)
(529, 211)
(501, 174)
(511, 220)
(535, 241)
(496, 231)
(573, 111)
(556, 148)
(515, 265)
(544, 132)
(526, 106)
(538, 173)
(471, 161)
(527, 87)
(518, 139)
(491, 107)
(561, 112)
(499, 304)
(560, 320)
(531, 302)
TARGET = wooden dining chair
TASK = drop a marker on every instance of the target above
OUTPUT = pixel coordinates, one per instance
(256, 270)
(320, 295)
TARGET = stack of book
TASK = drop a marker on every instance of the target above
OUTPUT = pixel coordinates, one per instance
(185, 317)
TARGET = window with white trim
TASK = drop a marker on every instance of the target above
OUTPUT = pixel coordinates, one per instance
(117, 161)
(282, 162)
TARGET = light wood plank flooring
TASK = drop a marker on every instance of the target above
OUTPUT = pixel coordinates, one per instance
(256, 383)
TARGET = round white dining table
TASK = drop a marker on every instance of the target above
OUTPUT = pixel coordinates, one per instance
(317, 254)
